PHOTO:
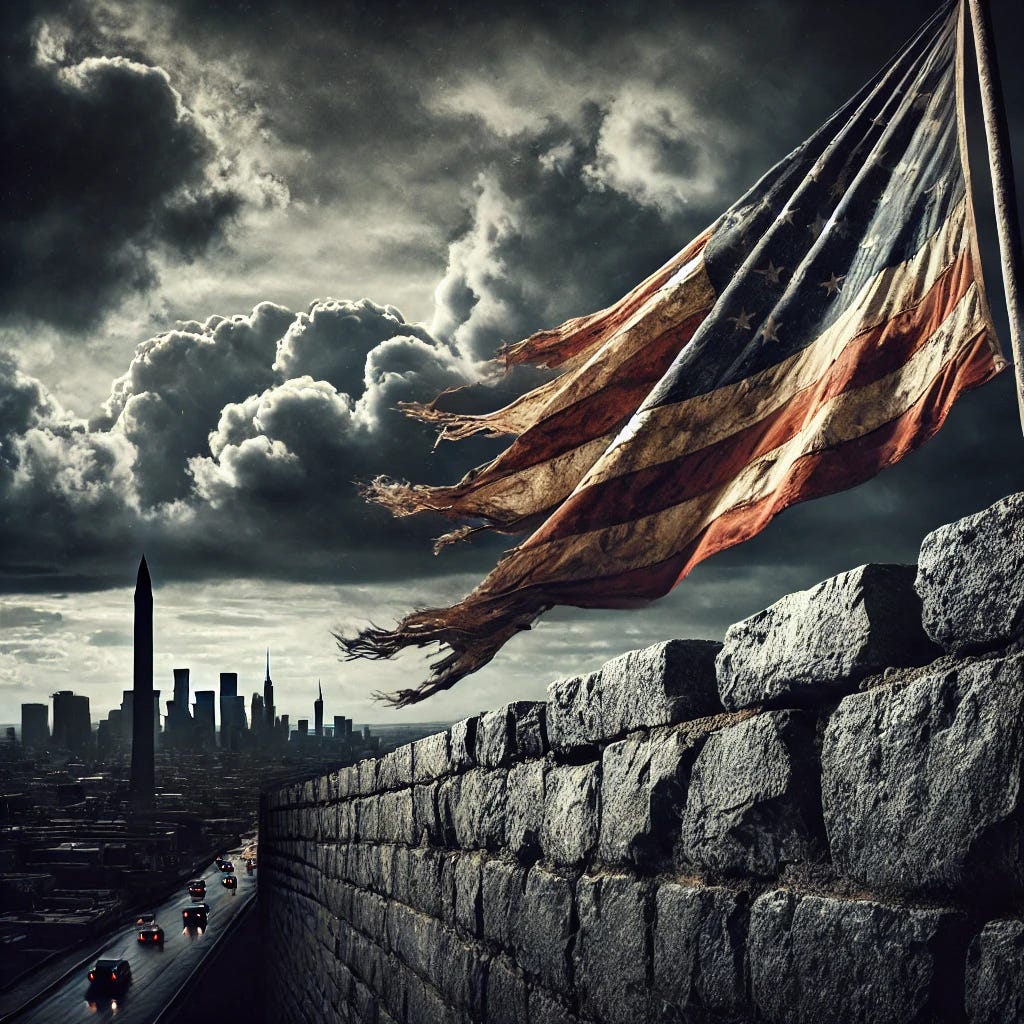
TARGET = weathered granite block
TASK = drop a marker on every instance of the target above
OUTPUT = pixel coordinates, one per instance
(667, 683)
(462, 736)
(468, 916)
(472, 808)
(524, 814)
(699, 945)
(753, 804)
(431, 757)
(394, 769)
(574, 713)
(511, 733)
(424, 881)
(396, 817)
(506, 993)
(921, 783)
(612, 955)
(544, 929)
(995, 973)
(501, 900)
(643, 791)
(971, 578)
(815, 644)
(367, 776)
(543, 1008)
(426, 819)
(570, 827)
(818, 960)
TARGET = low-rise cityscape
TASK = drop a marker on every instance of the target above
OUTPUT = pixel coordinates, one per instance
(98, 822)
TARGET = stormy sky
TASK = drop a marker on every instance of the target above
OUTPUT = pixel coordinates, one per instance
(234, 235)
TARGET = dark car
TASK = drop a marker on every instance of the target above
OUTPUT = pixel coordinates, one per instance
(197, 888)
(195, 916)
(229, 882)
(111, 974)
(151, 935)
(226, 866)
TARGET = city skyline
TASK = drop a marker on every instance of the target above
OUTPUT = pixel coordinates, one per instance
(203, 366)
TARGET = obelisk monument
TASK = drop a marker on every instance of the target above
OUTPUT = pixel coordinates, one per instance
(142, 779)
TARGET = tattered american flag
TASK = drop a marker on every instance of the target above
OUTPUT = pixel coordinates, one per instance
(817, 332)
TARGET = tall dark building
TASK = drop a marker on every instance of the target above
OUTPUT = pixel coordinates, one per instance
(178, 730)
(143, 782)
(35, 726)
(72, 727)
(206, 720)
(228, 693)
(318, 713)
(268, 698)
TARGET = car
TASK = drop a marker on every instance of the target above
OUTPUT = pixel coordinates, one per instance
(226, 866)
(229, 882)
(197, 888)
(151, 935)
(145, 919)
(111, 974)
(195, 916)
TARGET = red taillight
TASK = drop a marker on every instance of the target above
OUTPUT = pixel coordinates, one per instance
(113, 975)
(92, 975)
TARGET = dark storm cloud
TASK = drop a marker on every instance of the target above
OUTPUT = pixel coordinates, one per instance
(103, 166)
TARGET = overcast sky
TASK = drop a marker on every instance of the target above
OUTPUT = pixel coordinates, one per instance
(233, 235)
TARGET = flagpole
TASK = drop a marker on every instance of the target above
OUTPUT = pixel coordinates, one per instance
(1004, 196)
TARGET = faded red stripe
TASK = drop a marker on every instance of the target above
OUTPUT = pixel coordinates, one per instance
(554, 347)
(813, 476)
(600, 412)
(871, 355)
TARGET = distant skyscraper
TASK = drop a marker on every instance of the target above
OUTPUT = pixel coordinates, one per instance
(35, 726)
(178, 729)
(206, 718)
(143, 782)
(72, 727)
(339, 728)
(268, 698)
(228, 692)
(318, 712)
(302, 730)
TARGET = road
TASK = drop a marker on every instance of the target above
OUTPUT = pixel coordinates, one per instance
(156, 973)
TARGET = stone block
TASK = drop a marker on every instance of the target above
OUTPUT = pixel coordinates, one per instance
(818, 960)
(817, 644)
(468, 867)
(501, 893)
(472, 808)
(425, 816)
(463, 744)
(524, 815)
(543, 1008)
(394, 769)
(971, 579)
(995, 973)
(511, 733)
(921, 782)
(754, 802)
(612, 955)
(506, 993)
(643, 792)
(424, 881)
(570, 827)
(395, 822)
(367, 776)
(431, 757)
(544, 929)
(699, 945)
(667, 683)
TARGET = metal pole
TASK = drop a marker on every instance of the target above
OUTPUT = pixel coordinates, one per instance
(1004, 197)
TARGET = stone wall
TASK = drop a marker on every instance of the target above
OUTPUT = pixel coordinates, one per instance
(820, 820)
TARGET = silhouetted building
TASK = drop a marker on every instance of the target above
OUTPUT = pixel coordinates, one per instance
(318, 713)
(206, 718)
(127, 717)
(72, 728)
(339, 728)
(268, 698)
(143, 783)
(228, 692)
(301, 730)
(283, 727)
(35, 726)
(178, 730)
